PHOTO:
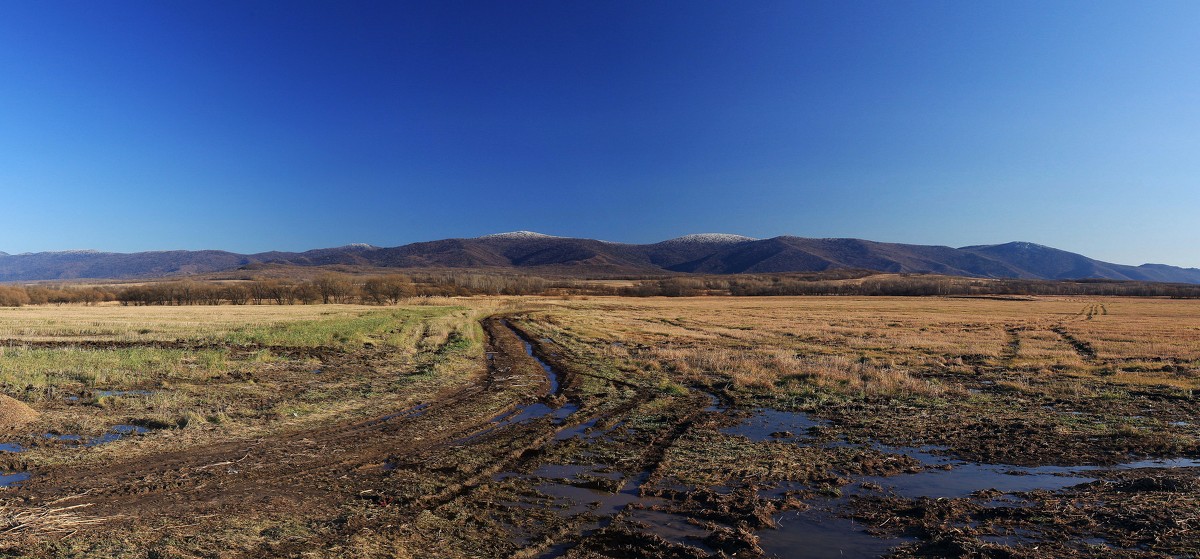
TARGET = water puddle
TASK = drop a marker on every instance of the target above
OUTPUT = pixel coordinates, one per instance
(820, 533)
(1014, 537)
(604, 506)
(62, 437)
(117, 432)
(1159, 463)
(98, 394)
(12, 478)
(539, 410)
(823, 532)
(586, 430)
(675, 528)
(714, 403)
(531, 412)
(551, 374)
(964, 478)
(119, 393)
(770, 424)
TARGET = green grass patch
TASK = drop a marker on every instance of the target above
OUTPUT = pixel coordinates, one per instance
(104, 368)
(390, 327)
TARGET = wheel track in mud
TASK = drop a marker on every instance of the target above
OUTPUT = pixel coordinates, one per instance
(533, 450)
(316, 471)
(1012, 349)
(318, 468)
(1081, 347)
(191, 469)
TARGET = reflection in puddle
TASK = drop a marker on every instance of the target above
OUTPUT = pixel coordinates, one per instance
(821, 532)
(536, 410)
(675, 528)
(117, 393)
(772, 424)
(117, 432)
(604, 506)
(818, 534)
(10, 479)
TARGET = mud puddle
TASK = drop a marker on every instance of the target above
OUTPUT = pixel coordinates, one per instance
(551, 374)
(824, 529)
(770, 424)
(11, 478)
(594, 495)
(818, 533)
(98, 394)
(530, 412)
(118, 393)
(948, 478)
(117, 432)
(599, 505)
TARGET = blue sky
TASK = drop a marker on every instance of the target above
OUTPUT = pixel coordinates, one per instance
(252, 126)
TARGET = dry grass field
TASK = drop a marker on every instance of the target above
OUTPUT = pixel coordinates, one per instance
(426, 430)
(893, 345)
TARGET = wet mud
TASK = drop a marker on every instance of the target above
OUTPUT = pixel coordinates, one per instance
(544, 454)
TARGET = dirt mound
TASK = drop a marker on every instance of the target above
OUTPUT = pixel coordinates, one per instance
(14, 413)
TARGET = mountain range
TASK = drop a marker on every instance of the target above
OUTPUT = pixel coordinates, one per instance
(709, 253)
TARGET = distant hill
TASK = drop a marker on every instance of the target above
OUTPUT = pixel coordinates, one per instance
(706, 253)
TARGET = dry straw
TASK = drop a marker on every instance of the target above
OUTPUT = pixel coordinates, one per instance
(14, 413)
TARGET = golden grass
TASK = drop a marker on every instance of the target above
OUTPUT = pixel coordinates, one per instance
(882, 345)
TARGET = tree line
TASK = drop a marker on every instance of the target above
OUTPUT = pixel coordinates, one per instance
(387, 289)
(16, 296)
(899, 285)
(391, 289)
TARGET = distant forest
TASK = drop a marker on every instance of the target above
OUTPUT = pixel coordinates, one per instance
(396, 288)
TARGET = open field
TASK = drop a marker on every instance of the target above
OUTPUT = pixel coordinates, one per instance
(605, 427)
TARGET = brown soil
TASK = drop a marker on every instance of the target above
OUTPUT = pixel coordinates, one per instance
(303, 474)
(444, 479)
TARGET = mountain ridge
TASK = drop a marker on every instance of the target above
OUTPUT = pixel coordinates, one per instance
(702, 253)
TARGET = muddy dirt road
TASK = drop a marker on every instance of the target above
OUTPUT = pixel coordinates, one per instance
(368, 487)
(536, 455)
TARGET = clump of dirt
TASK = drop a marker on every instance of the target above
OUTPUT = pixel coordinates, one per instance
(14, 413)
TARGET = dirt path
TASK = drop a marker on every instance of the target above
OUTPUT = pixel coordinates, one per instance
(307, 473)
(484, 436)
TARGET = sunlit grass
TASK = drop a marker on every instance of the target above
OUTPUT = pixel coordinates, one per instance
(880, 345)
(200, 374)
(104, 368)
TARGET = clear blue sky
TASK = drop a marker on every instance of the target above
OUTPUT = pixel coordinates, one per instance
(252, 126)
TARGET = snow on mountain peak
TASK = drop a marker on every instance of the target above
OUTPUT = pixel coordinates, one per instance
(1025, 245)
(698, 238)
(519, 235)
